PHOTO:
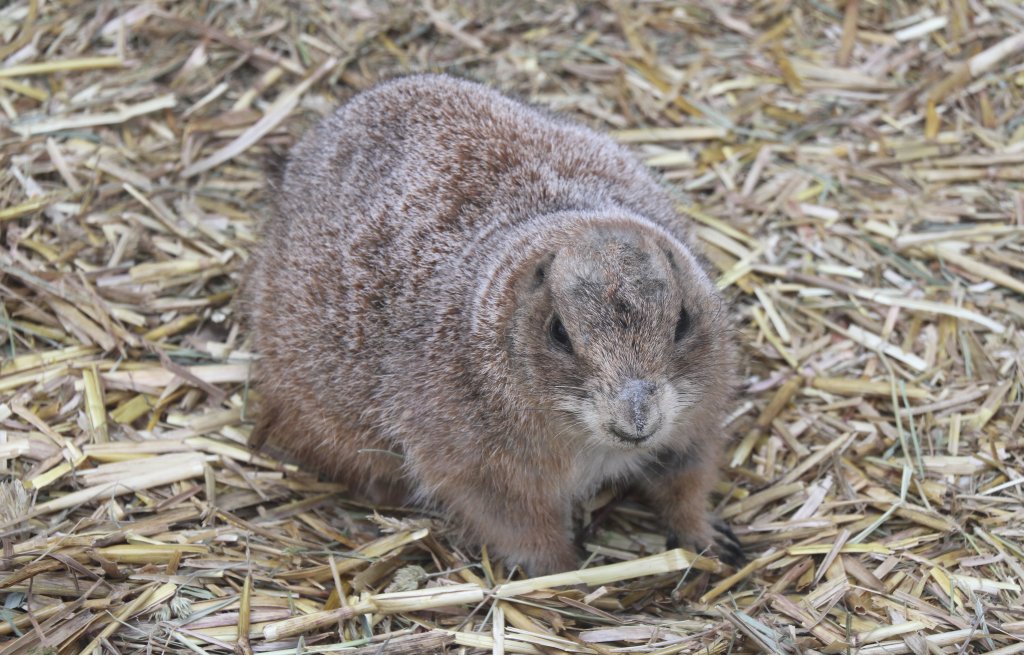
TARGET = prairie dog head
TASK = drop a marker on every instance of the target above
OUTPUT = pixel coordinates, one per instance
(623, 333)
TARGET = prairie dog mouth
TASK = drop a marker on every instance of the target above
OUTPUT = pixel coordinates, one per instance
(633, 438)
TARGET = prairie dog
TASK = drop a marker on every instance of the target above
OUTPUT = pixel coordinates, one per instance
(466, 301)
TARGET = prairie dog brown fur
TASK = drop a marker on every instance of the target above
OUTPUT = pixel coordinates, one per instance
(466, 301)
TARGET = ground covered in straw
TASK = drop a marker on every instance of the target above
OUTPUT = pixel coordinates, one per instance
(855, 168)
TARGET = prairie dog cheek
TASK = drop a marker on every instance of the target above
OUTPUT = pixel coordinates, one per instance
(670, 405)
(593, 419)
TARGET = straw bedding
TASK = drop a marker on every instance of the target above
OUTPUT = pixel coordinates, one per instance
(855, 168)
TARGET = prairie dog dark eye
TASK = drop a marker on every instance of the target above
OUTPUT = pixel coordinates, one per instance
(558, 334)
(682, 324)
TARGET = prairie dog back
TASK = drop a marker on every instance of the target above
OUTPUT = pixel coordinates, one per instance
(463, 300)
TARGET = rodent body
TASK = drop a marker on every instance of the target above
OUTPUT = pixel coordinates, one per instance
(466, 301)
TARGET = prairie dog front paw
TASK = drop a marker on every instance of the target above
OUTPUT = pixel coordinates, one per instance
(711, 538)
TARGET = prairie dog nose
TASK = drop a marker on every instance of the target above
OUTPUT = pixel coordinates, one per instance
(638, 415)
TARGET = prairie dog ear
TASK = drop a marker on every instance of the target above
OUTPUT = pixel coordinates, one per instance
(541, 271)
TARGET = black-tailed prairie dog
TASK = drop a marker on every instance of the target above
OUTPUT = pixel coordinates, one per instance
(469, 302)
